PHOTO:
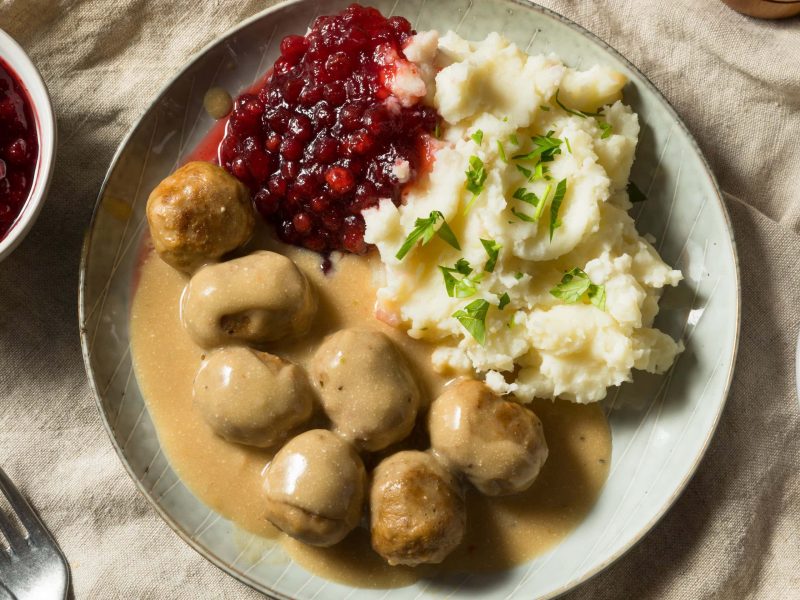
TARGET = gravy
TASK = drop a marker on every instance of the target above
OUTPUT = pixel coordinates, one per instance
(501, 532)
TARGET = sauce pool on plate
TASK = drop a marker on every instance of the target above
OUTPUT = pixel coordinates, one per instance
(501, 531)
(19, 147)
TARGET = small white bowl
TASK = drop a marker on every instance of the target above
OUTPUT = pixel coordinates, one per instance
(13, 54)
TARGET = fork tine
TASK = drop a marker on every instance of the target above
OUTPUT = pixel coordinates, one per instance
(15, 538)
(20, 507)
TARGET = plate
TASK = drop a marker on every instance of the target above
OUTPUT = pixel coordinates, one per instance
(661, 426)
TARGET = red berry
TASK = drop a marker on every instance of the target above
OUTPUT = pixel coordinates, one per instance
(340, 180)
(302, 222)
(293, 47)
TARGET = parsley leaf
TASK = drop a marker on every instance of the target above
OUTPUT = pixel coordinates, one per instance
(504, 300)
(425, 229)
(532, 199)
(575, 284)
(527, 172)
(635, 194)
(473, 318)
(540, 172)
(604, 126)
(463, 267)
(501, 151)
(463, 287)
(522, 216)
(437, 131)
(544, 108)
(514, 139)
(493, 250)
(577, 113)
(518, 276)
(555, 205)
(477, 137)
(597, 295)
(476, 177)
(445, 233)
(546, 147)
(569, 148)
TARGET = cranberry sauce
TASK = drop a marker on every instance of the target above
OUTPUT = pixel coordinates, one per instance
(19, 147)
(321, 140)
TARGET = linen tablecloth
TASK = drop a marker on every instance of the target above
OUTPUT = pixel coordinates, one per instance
(734, 533)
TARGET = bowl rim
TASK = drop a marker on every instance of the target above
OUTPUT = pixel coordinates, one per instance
(47, 130)
(523, 4)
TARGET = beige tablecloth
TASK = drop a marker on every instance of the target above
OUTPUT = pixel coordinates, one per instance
(735, 532)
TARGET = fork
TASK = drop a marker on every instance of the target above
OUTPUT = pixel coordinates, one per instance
(33, 567)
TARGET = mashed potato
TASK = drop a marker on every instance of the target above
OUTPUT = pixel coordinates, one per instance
(543, 206)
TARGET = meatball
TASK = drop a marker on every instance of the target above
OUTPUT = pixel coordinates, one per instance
(497, 444)
(255, 299)
(366, 388)
(251, 397)
(315, 488)
(417, 511)
(198, 214)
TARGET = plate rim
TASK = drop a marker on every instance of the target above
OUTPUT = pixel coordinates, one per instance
(523, 4)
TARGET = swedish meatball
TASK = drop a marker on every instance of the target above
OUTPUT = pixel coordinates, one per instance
(497, 444)
(198, 214)
(366, 388)
(255, 299)
(417, 511)
(251, 397)
(315, 487)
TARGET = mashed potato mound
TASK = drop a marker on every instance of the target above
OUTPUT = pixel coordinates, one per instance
(494, 98)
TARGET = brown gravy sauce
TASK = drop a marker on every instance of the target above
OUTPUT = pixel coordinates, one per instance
(501, 532)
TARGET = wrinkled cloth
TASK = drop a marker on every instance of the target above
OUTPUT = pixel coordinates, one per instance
(734, 533)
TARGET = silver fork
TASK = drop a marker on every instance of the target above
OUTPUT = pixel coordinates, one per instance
(34, 568)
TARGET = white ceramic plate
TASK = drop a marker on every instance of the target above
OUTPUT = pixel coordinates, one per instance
(661, 425)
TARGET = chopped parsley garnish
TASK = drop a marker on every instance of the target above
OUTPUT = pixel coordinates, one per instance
(546, 147)
(505, 119)
(477, 137)
(604, 126)
(473, 318)
(504, 300)
(463, 287)
(437, 131)
(635, 194)
(425, 229)
(493, 250)
(532, 199)
(597, 296)
(527, 172)
(540, 172)
(544, 108)
(518, 275)
(514, 139)
(566, 141)
(476, 177)
(575, 284)
(577, 113)
(501, 151)
(555, 206)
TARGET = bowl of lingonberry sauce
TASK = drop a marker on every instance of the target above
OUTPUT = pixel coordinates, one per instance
(27, 143)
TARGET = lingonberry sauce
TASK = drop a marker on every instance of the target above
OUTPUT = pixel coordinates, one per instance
(322, 139)
(19, 148)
